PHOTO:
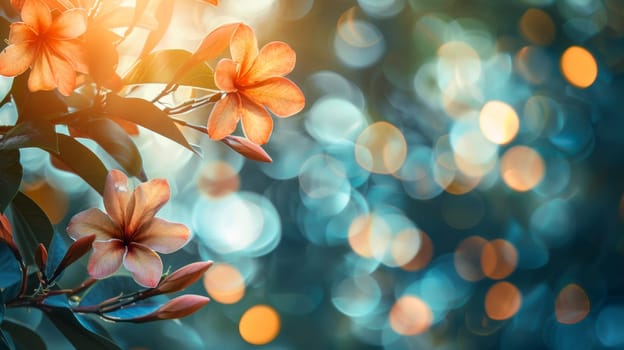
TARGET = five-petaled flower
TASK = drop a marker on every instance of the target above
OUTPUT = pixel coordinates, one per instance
(51, 46)
(129, 234)
(253, 80)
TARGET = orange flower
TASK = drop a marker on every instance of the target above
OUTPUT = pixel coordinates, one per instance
(254, 80)
(129, 234)
(48, 45)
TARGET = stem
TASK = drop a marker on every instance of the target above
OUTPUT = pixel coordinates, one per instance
(193, 104)
(189, 125)
(24, 285)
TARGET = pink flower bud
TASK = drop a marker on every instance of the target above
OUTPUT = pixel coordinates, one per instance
(179, 307)
(247, 148)
(182, 278)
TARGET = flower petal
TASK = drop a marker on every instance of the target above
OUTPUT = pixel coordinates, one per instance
(49, 71)
(21, 32)
(144, 264)
(225, 75)
(244, 47)
(256, 121)
(146, 200)
(275, 59)
(93, 222)
(69, 25)
(106, 258)
(163, 236)
(116, 196)
(280, 95)
(37, 14)
(224, 117)
(15, 59)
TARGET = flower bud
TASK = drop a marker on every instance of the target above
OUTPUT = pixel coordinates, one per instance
(179, 307)
(182, 278)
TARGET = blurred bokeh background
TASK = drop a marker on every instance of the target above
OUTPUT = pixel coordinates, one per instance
(455, 182)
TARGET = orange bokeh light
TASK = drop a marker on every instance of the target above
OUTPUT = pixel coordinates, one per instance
(259, 325)
(537, 27)
(224, 283)
(502, 301)
(572, 304)
(218, 179)
(499, 122)
(467, 258)
(499, 259)
(381, 148)
(410, 316)
(579, 67)
(522, 168)
(424, 255)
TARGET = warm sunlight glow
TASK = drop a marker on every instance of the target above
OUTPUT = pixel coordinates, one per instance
(218, 179)
(579, 67)
(259, 325)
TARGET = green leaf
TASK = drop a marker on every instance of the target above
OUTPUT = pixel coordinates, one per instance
(81, 161)
(114, 140)
(10, 272)
(30, 226)
(32, 133)
(161, 67)
(144, 113)
(38, 105)
(24, 337)
(10, 176)
(66, 322)
(6, 341)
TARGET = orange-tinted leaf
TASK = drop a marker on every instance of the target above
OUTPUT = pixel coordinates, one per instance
(161, 66)
(144, 113)
(75, 251)
(6, 236)
(212, 46)
(212, 2)
(139, 8)
(102, 57)
(163, 16)
(247, 148)
(183, 277)
(131, 128)
(82, 162)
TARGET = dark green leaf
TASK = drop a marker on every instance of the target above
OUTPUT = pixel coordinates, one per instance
(66, 322)
(108, 288)
(24, 337)
(31, 226)
(9, 268)
(33, 133)
(82, 162)
(10, 176)
(161, 66)
(56, 251)
(38, 105)
(114, 140)
(5, 341)
(144, 113)
(163, 16)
